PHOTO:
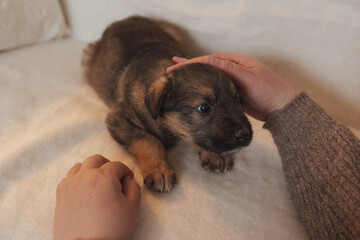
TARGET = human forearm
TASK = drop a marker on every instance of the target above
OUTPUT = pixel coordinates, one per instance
(321, 161)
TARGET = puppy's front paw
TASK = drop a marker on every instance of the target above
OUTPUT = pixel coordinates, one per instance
(216, 162)
(160, 180)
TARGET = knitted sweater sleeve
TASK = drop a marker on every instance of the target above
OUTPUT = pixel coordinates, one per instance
(321, 161)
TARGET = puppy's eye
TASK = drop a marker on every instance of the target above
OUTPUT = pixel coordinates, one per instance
(204, 108)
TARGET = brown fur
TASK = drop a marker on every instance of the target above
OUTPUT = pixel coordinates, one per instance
(213, 161)
(150, 111)
(152, 160)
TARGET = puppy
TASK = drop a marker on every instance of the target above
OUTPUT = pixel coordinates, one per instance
(150, 110)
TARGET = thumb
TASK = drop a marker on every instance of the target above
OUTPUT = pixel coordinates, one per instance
(131, 190)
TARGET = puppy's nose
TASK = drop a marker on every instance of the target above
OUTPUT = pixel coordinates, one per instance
(242, 135)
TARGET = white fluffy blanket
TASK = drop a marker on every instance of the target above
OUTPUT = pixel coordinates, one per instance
(50, 119)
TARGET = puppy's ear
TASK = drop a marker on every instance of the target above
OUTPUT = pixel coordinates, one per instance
(155, 95)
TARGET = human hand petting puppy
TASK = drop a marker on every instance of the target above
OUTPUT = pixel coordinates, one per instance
(98, 199)
(262, 90)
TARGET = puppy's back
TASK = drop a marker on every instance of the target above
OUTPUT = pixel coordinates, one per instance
(107, 58)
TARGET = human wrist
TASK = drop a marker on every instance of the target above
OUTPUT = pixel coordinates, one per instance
(300, 113)
(285, 99)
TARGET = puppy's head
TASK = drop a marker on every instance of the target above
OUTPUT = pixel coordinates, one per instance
(202, 104)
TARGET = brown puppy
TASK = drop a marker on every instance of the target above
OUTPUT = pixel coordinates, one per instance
(150, 111)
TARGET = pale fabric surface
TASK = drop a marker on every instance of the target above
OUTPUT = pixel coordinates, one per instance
(51, 119)
(24, 22)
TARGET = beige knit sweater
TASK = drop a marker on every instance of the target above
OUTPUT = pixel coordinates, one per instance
(321, 161)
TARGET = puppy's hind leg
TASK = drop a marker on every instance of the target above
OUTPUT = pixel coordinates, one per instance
(215, 162)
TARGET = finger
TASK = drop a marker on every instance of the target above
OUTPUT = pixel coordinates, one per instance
(239, 74)
(237, 58)
(59, 187)
(202, 59)
(94, 161)
(176, 59)
(74, 170)
(211, 60)
(173, 67)
(131, 190)
(117, 169)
